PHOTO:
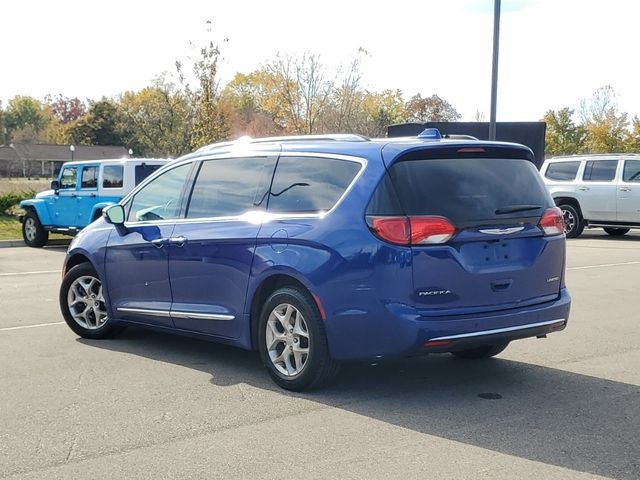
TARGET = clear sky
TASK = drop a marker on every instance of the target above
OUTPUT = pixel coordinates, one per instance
(553, 53)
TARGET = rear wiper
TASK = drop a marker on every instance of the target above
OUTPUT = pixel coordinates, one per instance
(516, 208)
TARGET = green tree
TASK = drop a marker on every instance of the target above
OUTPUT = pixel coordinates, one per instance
(99, 126)
(563, 136)
(209, 114)
(25, 119)
(383, 109)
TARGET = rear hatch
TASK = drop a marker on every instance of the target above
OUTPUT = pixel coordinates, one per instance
(484, 232)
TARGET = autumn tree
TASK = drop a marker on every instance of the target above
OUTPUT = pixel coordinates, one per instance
(64, 109)
(563, 136)
(606, 128)
(156, 120)
(302, 91)
(430, 109)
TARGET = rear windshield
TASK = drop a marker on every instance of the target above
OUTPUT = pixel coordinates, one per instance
(467, 191)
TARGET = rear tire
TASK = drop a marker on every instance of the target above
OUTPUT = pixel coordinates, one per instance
(481, 352)
(83, 306)
(33, 233)
(616, 232)
(293, 342)
(573, 221)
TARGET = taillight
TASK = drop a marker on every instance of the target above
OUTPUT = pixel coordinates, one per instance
(429, 230)
(412, 230)
(552, 222)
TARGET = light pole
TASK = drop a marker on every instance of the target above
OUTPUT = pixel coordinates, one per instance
(494, 69)
(73, 149)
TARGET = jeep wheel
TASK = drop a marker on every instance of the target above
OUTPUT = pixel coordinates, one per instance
(292, 341)
(573, 222)
(616, 232)
(33, 233)
(481, 352)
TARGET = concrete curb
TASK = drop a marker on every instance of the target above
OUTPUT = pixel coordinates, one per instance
(20, 243)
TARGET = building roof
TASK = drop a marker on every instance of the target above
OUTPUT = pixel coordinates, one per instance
(37, 151)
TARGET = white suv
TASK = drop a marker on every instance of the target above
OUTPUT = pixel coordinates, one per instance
(595, 191)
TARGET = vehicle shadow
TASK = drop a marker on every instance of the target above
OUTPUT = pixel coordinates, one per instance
(537, 413)
(599, 234)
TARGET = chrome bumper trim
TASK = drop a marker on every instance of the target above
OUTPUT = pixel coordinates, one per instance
(498, 330)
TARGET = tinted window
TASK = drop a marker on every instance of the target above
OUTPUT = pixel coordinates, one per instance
(631, 171)
(112, 176)
(467, 191)
(230, 187)
(303, 184)
(562, 170)
(600, 170)
(69, 177)
(144, 170)
(89, 177)
(160, 199)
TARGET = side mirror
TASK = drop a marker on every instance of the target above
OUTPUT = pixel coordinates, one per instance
(55, 185)
(114, 214)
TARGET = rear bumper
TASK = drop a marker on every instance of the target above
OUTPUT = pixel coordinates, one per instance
(400, 330)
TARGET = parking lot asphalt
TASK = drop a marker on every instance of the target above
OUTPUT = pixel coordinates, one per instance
(151, 405)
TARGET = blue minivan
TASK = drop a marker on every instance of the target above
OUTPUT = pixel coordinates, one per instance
(316, 250)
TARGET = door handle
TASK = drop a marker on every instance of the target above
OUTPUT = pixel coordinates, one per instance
(177, 241)
(625, 189)
(159, 242)
(584, 189)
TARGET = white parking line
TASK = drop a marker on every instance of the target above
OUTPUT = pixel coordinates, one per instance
(603, 265)
(37, 272)
(6, 329)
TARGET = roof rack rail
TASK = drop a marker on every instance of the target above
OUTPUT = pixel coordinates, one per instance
(337, 137)
(457, 136)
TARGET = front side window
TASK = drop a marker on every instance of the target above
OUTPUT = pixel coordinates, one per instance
(69, 177)
(112, 176)
(562, 170)
(89, 177)
(230, 187)
(310, 185)
(160, 199)
(600, 170)
(631, 171)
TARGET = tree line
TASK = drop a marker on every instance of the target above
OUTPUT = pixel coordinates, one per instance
(187, 108)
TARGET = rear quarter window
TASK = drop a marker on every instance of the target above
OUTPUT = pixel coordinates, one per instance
(309, 184)
(467, 191)
(562, 170)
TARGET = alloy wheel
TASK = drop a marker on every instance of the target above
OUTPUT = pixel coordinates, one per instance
(86, 302)
(287, 339)
(569, 221)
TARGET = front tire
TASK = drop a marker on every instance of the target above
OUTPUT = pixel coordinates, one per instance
(293, 342)
(478, 353)
(573, 221)
(33, 233)
(616, 232)
(83, 306)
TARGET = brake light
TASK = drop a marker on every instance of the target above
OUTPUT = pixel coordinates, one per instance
(552, 222)
(429, 230)
(412, 230)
